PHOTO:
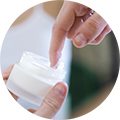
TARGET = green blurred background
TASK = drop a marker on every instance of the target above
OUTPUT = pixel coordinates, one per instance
(94, 70)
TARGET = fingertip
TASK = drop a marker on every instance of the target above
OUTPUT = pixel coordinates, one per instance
(60, 90)
(63, 84)
(108, 29)
(54, 57)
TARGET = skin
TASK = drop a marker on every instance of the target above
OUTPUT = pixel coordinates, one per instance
(78, 23)
(51, 103)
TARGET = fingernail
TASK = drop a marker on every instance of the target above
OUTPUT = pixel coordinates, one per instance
(80, 40)
(59, 90)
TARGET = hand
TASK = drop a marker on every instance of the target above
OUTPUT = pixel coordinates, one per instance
(78, 23)
(51, 103)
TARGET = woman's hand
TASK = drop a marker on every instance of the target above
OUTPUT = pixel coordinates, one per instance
(51, 103)
(78, 23)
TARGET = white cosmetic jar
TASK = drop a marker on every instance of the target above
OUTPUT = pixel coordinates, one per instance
(32, 78)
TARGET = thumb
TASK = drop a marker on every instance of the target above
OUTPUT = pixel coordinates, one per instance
(89, 30)
(53, 101)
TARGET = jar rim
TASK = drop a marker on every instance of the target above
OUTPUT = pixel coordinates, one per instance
(42, 64)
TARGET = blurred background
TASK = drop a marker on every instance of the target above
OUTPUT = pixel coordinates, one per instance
(91, 71)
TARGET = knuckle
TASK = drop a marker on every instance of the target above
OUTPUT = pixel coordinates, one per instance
(51, 105)
(57, 27)
(94, 24)
(69, 35)
(54, 28)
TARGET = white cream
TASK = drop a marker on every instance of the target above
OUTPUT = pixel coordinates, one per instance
(32, 78)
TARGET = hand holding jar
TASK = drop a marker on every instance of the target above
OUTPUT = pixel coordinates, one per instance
(52, 101)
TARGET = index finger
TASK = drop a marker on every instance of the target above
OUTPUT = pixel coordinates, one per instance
(62, 24)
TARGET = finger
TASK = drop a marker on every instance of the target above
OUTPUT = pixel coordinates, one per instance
(53, 101)
(32, 110)
(77, 23)
(6, 72)
(14, 96)
(89, 30)
(101, 36)
(62, 25)
(86, 16)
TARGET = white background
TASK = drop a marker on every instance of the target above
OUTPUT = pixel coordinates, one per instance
(10, 10)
